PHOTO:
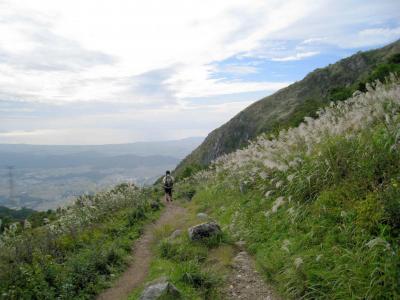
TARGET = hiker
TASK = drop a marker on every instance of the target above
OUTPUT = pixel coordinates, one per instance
(168, 182)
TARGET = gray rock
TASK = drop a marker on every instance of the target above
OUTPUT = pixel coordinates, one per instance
(175, 234)
(161, 289)
(204, 230)
(202, 216)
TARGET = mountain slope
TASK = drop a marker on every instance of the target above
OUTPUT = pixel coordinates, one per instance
(318, 205)
(290, 105)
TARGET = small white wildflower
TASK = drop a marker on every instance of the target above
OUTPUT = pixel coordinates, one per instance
(279, 184)
(291, 211)
(318, 258)
(27, 224)
(355, 94)
(285, 245)
(268, 193)
(13, 228)
(298, 262)
(343, 214)
(278, 203)
(290, 177)
(387, 118)
(376, 242)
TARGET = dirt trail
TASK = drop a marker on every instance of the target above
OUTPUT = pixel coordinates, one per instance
(138, 269)
(245, 282)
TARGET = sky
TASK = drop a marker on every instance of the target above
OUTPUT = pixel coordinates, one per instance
(120, 71)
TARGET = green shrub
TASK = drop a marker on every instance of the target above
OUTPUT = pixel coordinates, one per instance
(341, 93)
(182, 251)
(136, 215)
(390, 198)
(190, 273)
(370, 213)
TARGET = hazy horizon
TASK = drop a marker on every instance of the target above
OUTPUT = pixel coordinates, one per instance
(47, 176)
(111, 144)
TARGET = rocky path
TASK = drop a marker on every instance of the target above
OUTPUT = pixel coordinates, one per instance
(245, 282)
(138, 269)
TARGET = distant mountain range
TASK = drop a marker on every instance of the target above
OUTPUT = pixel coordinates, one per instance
(174, 148)
(46, 176)
(288, 106)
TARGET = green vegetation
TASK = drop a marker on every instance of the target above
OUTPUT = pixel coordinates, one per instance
(308, 108)
(196, 268)
(9, 216)
(379, 72)
(79, 253)
(288, 107)
(319, 205)
(190, 170)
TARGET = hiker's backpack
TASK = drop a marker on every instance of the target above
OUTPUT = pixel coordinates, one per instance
(169, 182)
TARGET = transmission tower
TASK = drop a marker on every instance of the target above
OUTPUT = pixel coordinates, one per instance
(11, 186)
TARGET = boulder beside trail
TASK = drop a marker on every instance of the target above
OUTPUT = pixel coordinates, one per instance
(204, 230)
(161, 289)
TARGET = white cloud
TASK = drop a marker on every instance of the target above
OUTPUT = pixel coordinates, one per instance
(297, 56)
(150, 57)
(238, 69)
(125, 126)
(24, 133)
(376, 36)
(315, 40)
(128, 38)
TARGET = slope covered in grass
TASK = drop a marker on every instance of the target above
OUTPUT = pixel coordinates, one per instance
(78, 253)
(288, 106)
(319, 204)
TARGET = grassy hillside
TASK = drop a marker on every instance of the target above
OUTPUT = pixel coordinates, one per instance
(318, 205)
(77, 253)
(290, 105)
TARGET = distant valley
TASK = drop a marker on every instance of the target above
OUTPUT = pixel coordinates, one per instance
(45, 177)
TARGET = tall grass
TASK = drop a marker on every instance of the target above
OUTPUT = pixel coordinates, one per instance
(76, 255)
(319, 205)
